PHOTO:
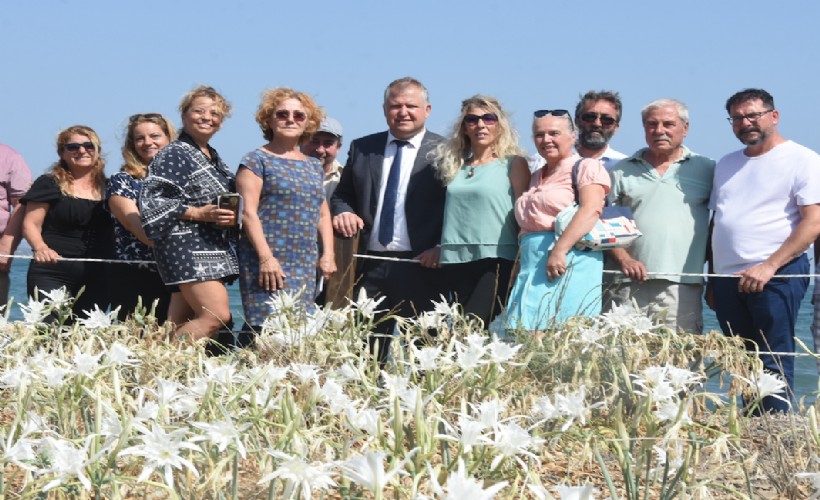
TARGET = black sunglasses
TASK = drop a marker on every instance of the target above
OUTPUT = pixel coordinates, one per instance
(554, 112)
(487, 118)
(606, 120)
(148, 116)
(75, 146)
(284, 115)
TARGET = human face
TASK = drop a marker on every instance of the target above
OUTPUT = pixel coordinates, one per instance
(323, 146)
(752, 133)
(553, 137)
(406, 112)
(202, 119)
(288, 120)
(664, 130)
(594, 134)
(481, 134)
(149, 138)
(82, 159)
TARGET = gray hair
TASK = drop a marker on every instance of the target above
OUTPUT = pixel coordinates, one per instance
(680, 107)
(403, 83)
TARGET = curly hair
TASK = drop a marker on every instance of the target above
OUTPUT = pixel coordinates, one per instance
(271, 99)
(60, 170)
(134, 166)
(225, 107)
(450, 155)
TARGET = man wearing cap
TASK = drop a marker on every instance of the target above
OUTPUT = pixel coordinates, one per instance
(325, 145)
(766, 203)
(668, 187)
(390, 193)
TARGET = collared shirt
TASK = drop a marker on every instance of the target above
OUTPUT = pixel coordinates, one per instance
(401, 238)
(15, 179)
(331, 179)
(671, 210)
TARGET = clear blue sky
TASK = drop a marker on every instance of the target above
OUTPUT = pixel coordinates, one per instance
(98, 62)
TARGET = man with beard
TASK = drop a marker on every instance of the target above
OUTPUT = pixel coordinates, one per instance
(668, 187)
(766, 202)
(597, 117)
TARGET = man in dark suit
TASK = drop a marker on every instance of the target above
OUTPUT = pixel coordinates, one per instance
(389, 192)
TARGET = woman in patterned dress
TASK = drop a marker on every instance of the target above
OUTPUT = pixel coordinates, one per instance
(284, 206)
(193, 238)
(145, 136)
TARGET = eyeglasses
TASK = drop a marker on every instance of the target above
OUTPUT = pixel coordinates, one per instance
(752, 117)
(147, 116)
(606, 120)
(284, 115)
(75, 146)
(487, 118)
(554, 112)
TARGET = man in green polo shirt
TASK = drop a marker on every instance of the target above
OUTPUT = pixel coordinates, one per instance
(668, 188)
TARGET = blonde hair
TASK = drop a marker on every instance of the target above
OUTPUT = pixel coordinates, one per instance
(450, 155)
(225, 107)
(134, 166)
(63, 175)
(271, 99)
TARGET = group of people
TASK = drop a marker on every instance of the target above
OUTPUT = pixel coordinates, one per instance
(434, 216)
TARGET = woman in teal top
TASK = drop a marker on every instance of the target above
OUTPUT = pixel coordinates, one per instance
(482, 166)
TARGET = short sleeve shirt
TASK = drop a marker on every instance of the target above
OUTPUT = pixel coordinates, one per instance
(15, 179)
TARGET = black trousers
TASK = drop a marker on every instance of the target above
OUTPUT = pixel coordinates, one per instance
(128, 282)
(481, 286)
(408, 288)
(73, 276)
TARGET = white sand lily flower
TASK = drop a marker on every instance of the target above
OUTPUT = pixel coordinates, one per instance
(333, 394)
(18, 377)
(460, 486)
(490, 411)
(54, 372)
(20, 453)
(470, 433)
(368, 470)
(348, 372)
(120, 355)
(470, 356)
(84, 363)
(283, 301)
(223, 433)
(300, 477)
(216, 370)
(574, 406)
(99, 319)
(57, 298)
(34, 312)
(65, 460)
(502, 352)
(512, 440)
(767, 384)
(394, 385)
(366, 306)
(585, 492)
(428, 320)
(363, 419)
(427, 357)
(544, 410)
(305, 373)
(162, 451)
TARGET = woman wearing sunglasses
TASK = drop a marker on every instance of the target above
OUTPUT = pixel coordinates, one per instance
(193, 238)
(284, 207)
(482, 166)
(555, 280)
(145, 135)
(65, 218)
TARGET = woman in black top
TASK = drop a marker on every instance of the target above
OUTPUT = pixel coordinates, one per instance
(65, 218)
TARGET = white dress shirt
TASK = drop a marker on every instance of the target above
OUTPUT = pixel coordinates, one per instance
(401, 239)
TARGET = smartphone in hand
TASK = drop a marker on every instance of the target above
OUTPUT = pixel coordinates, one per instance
(231, 201)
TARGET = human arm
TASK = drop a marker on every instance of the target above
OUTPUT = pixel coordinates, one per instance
(327, 261)
(249, 185)
(128, 214)
(12, 235)
(754, 278)
(33, 232)
(519, 176)
(589, 211)
(631, 267)
(342, 204)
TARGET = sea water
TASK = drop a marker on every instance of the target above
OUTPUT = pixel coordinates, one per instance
(806, 379)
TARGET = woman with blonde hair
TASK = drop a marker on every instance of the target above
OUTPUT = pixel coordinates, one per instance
(145, 135)
(485, 172)
(193, 237)
(284, 207)
(65, 218)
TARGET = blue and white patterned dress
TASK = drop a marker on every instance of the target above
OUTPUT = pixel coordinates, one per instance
(289, 206)
(181, 176)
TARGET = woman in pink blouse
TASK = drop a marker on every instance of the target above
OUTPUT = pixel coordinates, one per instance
(556, 281)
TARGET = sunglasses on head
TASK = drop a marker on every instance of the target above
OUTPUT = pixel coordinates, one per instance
(147, 116)
(606, 120)
(75, 146)
(284, 115)
(550, 112)
(487, 118)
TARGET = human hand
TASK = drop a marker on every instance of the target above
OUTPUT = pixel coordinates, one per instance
(754, 279)
(347, 224)
(45, 255)
(634, 269)
(271, 275)
(556, 265)
(327, 265)
(429, 258)
(5, 249)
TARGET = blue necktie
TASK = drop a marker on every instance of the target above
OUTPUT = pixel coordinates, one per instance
(391, 193)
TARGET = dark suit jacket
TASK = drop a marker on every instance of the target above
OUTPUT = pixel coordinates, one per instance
(358, 190)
